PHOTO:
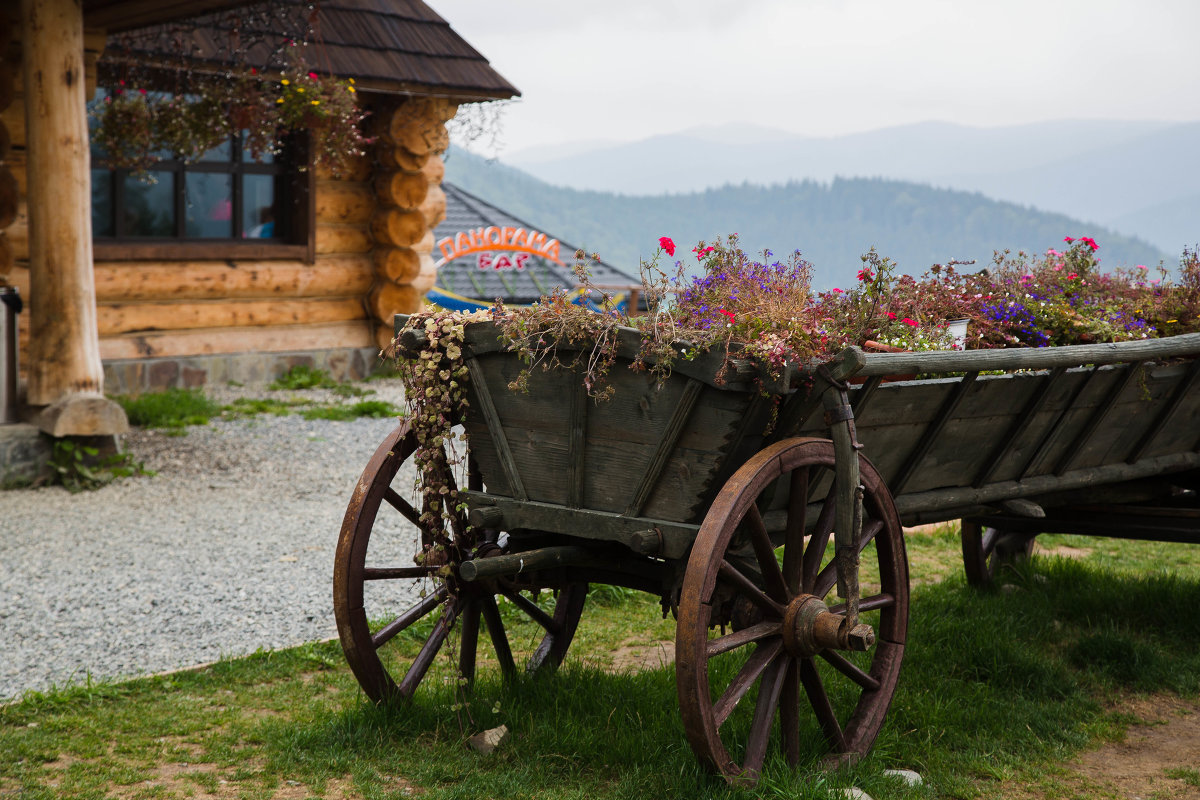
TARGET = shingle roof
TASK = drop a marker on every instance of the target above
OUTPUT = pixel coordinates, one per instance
(540, 276)
(385, 45)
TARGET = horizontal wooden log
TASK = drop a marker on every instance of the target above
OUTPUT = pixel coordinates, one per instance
(393, 157)
(389, 299)
(401, 189)
(425, 246)
(113, 319)
(398, 228)
(213, 341)
(383, 339)
(356, 169)
(434, 206)
(397, 264)
(854, 361)
(417, 129)
(435, 170)
(343, 202)
(330, 276)
(426, 276)
(331, 238)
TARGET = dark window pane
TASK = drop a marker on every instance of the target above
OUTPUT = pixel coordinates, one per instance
(102, 203)
(222, 152)
(209, 206)
(149, 205)
(259, 212)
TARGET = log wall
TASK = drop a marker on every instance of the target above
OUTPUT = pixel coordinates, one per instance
(372, 242)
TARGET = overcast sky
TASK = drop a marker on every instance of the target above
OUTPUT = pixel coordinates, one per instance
(628, 69)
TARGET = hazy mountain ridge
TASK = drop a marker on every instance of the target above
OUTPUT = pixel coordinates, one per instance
(1110, 173)
(831, 223)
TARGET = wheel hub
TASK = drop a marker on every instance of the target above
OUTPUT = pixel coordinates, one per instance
(810, 627)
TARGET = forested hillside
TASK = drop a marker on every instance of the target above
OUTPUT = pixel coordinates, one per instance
(832, 224)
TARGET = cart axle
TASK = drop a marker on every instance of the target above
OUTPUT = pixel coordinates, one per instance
(810, 627)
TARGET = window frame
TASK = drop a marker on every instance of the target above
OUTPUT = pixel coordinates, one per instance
(294, 172)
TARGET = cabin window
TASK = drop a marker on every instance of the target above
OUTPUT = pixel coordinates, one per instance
(223, 204)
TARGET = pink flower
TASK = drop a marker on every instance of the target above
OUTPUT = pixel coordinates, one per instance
(1068, 239)
(1090, 242)
(666, 244)
(312, 75)
(837, 291)
(891, 314)
(701, 252)
(1072, 276)
(1141, 266)
(865, 274)
(911, 322)
(1058, 268)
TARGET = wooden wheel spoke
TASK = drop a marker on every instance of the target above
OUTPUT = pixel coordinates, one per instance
(495, 627)
(764, 552)
(793, 535)
(532, 611)
(764, 712)
(811, 680)
(789, 713)
(745, 636)
(429, 651)
(851, 671)
(468, 640)
(815, 552)
(395, 573)
(990, 537)
(406, 510)
(871, 603)
(827, 577)
(418, 611)
(749, 589)
(741, 683)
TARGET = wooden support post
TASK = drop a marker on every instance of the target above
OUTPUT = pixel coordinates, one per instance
(64, 352)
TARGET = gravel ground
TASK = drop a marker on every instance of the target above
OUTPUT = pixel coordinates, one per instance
(228, 549)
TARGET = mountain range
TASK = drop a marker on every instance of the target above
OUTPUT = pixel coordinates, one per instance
(1137, 178)
(831, 222)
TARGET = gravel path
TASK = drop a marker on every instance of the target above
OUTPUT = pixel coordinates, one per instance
(228, 549)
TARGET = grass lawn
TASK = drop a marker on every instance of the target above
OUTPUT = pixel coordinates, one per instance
(998, 689)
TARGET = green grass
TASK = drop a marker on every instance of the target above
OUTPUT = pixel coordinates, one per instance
(175, 409)
(998, 689)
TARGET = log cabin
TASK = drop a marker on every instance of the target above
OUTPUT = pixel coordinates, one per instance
(126, 289)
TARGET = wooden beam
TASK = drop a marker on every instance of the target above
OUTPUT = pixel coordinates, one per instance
(330, 276)
(64, 352)
(1097, 416)
(218, 341)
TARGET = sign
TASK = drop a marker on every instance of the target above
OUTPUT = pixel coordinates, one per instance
(485, 243)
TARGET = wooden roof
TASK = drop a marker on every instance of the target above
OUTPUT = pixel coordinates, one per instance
(392, 46)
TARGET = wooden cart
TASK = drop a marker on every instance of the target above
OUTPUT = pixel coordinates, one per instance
(781, 555)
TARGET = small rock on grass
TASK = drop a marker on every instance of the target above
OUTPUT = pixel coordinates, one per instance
(487, 741)
(854, 793)
(906, 775)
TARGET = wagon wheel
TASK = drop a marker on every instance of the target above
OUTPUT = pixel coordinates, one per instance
(985, 549)
(380, 594)
(772, 591)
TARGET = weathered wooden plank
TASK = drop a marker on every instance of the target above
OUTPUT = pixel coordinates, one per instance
(860, 398)
(1019, 426)
(576, 462)
(1166, 411)
(483, 397)
(670, 435)
(1096, 418)
(930, 436)
(1064, 412)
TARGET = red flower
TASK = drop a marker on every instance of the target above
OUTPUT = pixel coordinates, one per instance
(1090, 242)
(1072, 276)
(666, 244)
(837, 291)
(1068, 239)
(911, 322)
(891, 314)
(726, 313)
(865, 274)
(312, 75)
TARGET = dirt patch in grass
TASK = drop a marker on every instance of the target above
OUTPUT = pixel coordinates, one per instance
(635, 657)
(1158, 757)
(1064, 550)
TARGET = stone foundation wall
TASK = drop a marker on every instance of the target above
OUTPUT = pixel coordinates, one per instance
(135, 376)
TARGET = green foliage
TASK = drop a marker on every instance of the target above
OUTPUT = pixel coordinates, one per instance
(78, 467)
(375, 409)
(172, 409)
(303, 377)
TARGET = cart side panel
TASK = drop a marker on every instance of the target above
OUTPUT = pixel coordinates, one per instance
(637, 450)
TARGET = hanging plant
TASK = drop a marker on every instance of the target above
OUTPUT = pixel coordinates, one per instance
(327, 107)
(125, 130)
